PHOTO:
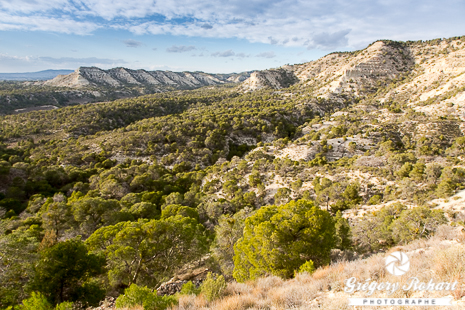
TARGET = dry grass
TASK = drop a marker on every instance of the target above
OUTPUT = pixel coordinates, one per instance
(441, 258)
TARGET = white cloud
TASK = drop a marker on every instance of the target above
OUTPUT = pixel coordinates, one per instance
(42, 23)
(28, 6)
(241, 55)
(321, 24)
(180, 49)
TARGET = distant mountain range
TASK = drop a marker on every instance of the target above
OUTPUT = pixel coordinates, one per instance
(33, 76)
(58, 88)
(120, 78)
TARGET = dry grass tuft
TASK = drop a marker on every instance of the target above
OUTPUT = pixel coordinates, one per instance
(441, 258)
(236, 302)
(321, 273)
(189, 302)
(450, 263)
(235, 288)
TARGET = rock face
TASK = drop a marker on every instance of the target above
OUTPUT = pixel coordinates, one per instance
(274, 78)
(339, 72)
(174, 285)
(423, 70)
(122, 78)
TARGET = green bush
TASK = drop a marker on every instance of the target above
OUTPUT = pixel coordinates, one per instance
(213, 289)
(343, 233)
(416, 223)
(394, 224)
(37, 301)
(189, 288)
(145, 297)
(374, 200)
(307, 267)
(67, 305)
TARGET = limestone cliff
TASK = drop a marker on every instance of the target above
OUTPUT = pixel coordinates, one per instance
(122, 78)
(418, 71)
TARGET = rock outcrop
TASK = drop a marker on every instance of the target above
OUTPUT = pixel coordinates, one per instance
(421, 70)
(124, 78)
(274, 78)
(339, 72)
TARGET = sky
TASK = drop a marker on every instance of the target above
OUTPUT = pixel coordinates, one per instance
(215, 36)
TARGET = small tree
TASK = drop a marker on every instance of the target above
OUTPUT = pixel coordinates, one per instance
(343, 234)
(63, 272)
(189, 289)
(279, 239)
(417, 223)
(282, 196)
(144, 252)
(228, 231)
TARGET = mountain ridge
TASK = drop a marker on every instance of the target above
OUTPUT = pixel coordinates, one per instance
(360, 73)
(159, 80)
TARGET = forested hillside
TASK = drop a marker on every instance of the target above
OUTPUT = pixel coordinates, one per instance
(117, 198)
(91, 84)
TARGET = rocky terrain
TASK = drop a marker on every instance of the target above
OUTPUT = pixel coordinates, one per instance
(374, 137)
(123, 77)
(421, 70)
(91, 84)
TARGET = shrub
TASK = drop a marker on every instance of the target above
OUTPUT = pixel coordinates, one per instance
(373, 231)
(374, 200)
(343, 233)
(67, 305)
(417, 223)
(213, 289)
(307, 267)
(145, 297)
(37, 301)
(189, 289)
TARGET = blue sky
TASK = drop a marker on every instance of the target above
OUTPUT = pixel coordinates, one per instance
(205, 35)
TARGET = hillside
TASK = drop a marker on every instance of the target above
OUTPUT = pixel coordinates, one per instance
(91, 84)
(416, 71)
(161, 80)
(324, 289)
(363, 151)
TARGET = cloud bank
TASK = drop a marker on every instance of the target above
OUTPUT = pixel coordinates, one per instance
(315, 24)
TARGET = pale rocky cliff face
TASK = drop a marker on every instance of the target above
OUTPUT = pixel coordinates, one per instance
(421, 70)
(339, 73)
(122, 77)
(274, 78)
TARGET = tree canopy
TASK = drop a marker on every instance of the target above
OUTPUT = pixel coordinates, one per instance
(279, 239)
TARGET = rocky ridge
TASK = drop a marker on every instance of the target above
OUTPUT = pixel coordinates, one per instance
(427, 69)
(160, 80)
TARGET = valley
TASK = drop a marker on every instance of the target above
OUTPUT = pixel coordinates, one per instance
(190, 171)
